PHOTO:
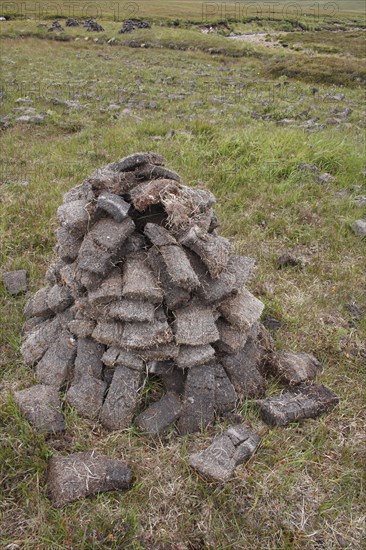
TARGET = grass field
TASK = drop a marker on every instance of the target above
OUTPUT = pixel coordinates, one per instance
(239, 117)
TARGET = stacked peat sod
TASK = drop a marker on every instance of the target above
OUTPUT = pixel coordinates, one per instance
(144, 286)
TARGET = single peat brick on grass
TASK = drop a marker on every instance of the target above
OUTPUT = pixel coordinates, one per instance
(86, 396)
(359, 228)
(294, 368)
(54, 369)
(15, 282)
(226, 452)
(122, 399)
(160, 415)
(80, 475)
(300, 403)
(41, 407)
(195, 325)
(114, 205)
(232, 339)
(242, 310)
(199, 399)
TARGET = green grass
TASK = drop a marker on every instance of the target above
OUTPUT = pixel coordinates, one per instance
(304, 488)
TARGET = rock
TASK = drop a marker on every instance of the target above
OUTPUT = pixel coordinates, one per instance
(195, 325)
(54, 369)
(42, 408)
(86, 396)
(160, 415)
(199, 399)
(37, 306)
(191, 356)
(294, 368)
(59, 298)
(300, 403)
(79, 475)
(88, 359)
(74, 217)
(15, 282)
(225, 453)
(242, 310)
(131, 311)
(242, 370)
(213, 250)
(173, 378)
(39, 340)
(122, 399)
(139, 282)
(288, 260)
(114, 205)
(359, 228)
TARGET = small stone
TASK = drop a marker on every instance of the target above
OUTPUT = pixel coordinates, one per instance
(294, 368)
(242, 310)
(42, 408)
(199, 399)
(86, 396)
(157, 418)
(15, 281)
(114, 205)
(122, 399)
(88, 359)
(225, 453)
(288, 260)
(325, 178)
(303, 402)
(79, 475)
(195, 325)
(359, 228)
(191, 356)
(59, 298)
(54, 369)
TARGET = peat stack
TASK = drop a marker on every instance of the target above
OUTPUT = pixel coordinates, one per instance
(144, 286)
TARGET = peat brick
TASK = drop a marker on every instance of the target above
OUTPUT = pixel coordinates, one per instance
(109, 290)
(86, 396)
(232, 339)
(88, 359)
(225, 453)
(131, 311)
(54, 369)
(122, 399)
(139, 282)
(115, 356)
(173, 378)
(225, 394)
(39, 340)
(142, 336)
(195, 325)
(300, 403)
(74, 217)
(93, 259)
(179, 267)
(213, 250)
(294, 368)
(109, 333)
(191, 356)
(174, 295)
(158, 235)
(82, 328)
(163, 352)
(114, 205)
(37, 306)
(110, 235)
(15, 282)
(199, 399)
(41, 407)
(68, 245)
(157, 418)
(151, 192)
(242, 310)
(59, 298)
(80, 475)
